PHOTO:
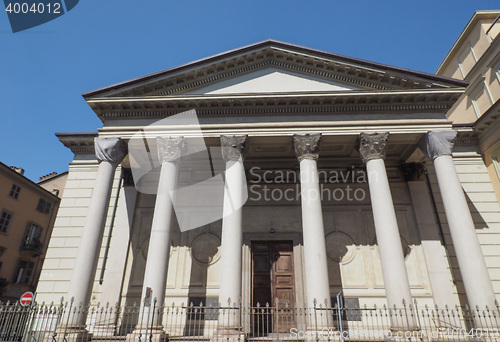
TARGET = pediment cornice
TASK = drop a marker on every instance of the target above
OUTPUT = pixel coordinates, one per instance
(332, 67)
(432, 100)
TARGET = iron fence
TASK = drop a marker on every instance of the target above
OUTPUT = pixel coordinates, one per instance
(68, 322)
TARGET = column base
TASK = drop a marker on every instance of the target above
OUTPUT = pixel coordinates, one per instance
(104, 330)
(75, 333)
(155, 334)
(228, 335)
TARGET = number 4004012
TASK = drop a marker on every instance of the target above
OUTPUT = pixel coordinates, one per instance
(40, 8)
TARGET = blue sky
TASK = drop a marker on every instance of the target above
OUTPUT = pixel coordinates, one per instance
(44, 70)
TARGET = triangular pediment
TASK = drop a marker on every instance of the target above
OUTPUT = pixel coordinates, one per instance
(274, 67)
(272, 80)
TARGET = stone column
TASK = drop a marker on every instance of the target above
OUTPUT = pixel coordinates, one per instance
(109, 153)
(170, 149)
(435, 254)
(316, 268)
(233, 151)
(397, 287)
(438, 145)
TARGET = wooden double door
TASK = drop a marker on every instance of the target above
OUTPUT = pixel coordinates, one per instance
(273, 287)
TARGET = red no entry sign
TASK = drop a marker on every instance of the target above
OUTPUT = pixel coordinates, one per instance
(26, 299)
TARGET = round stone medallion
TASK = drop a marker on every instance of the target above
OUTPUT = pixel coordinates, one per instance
(205, 248)
(338, 247)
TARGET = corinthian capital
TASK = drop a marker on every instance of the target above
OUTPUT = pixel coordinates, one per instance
(373, 145)
(306, 145)
(437, 143)
(170, 149)
(234, 146)
(111, 150)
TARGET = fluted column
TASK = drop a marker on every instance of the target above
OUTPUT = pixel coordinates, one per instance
(438, 145)
(170, 149)
(397, 287)
(109, 153)
(316, 267)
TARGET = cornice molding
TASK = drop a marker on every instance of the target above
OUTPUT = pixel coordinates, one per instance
(489, 118)
(397, 101)
(78, 143)
(466, 137)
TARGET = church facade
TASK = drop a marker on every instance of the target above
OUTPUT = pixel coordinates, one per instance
(338, 177)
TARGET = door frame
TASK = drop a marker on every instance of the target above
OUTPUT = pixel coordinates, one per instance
(299, 281)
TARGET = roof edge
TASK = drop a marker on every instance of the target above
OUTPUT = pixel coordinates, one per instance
(271, 42)
(472, 21)
(32, 183)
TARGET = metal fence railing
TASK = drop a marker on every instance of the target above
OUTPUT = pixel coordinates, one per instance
(69, 322)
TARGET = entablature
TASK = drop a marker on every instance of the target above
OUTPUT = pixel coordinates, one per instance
(436, 100)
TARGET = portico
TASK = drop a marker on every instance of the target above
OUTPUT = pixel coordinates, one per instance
(314, 202)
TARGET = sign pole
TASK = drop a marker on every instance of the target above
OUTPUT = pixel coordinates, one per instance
(147, 303)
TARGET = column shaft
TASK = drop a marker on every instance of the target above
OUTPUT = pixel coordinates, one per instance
(470, 258)
(233, 151)
(316, 267)
(232, 237)
(438, 146)
(155, 275)
(109, 153)
(397, 286)
(170, 150)
(82, 282)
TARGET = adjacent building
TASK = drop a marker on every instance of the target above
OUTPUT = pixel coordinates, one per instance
(475, 58)
(27, 216)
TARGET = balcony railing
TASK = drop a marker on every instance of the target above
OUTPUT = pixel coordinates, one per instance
(41, 322)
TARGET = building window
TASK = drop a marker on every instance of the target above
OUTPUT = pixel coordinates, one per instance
(495, 156)
(466, 59)
(2, 250)
(31, 239)
(14, 191)
(5, 220)
(24, 272)
(497, 71)
(43, 206)
(481, 98)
